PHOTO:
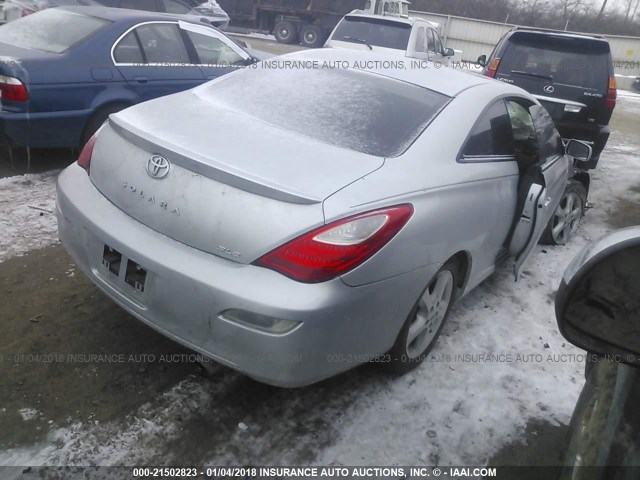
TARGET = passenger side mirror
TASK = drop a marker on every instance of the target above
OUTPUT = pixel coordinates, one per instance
(482, 60)
(597, 304)
(449, 52)
(578, 150)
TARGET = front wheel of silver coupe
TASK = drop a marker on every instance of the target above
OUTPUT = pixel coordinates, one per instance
(425, 322)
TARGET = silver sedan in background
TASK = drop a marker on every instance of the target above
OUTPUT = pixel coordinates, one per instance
(295, 220)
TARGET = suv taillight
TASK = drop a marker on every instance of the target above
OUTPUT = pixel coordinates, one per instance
(336, 248)
(492, 69)
(612, 94)
(13, 89)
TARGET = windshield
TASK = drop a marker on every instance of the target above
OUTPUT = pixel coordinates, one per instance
(352, 109)
(373, 31)
(570, 61)
(41, 31)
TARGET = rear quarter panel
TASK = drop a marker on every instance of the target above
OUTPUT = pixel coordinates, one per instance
(458, 206)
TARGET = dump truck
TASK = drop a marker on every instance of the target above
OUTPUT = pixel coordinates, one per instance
(308, 22)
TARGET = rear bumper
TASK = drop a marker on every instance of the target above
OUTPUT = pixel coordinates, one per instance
(186, 291)
(44, 129)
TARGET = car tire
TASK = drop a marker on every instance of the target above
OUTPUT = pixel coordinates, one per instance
(567, 215)
(285, 32)
(99, 117)
(422, 327)
(312, 36)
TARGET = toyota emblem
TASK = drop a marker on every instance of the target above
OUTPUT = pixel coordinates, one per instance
(158, 167)
(549, 88)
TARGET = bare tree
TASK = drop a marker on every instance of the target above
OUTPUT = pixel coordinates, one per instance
(569, 8)
(604, 5)
(629, 3)
(635, 10)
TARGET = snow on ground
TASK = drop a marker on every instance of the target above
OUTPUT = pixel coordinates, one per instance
(499, 364)
(28, 413)
(27, 213)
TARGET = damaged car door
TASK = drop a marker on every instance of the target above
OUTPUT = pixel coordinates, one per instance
(543, 175)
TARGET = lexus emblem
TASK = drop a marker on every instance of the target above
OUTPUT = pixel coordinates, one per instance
(549, 88)
(158, 167)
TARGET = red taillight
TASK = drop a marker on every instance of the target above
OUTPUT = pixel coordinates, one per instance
(84, 160)
(27, 11)
(612, 94)
(334, 249)
(492, 69)
(13, 89)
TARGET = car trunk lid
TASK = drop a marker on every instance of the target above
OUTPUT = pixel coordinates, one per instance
(225, 192)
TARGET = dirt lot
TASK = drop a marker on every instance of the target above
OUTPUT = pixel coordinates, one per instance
(82, 382)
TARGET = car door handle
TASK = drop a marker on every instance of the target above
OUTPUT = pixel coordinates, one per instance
(141, 79)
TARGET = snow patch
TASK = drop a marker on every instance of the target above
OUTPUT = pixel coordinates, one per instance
(27, 213)
(28, 414)
(128, 442)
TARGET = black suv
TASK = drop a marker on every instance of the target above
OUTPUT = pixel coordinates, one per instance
(571, 75)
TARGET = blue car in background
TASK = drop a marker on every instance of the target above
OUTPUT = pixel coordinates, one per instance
(63, 71)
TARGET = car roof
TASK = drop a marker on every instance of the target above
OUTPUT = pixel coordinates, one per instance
(441, 79)
(391, 18)
(556, 33)
(125, 14)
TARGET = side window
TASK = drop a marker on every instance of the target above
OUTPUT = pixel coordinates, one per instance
(549, 139)
(438, 42)
(492, 135)
(524, 133)
(420, 40)
(162, 42)
(213, 51)
(146, 5)
(431, 41)
(173, 6)
(521, 121)
(128, 50)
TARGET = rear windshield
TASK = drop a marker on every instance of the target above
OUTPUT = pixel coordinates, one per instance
(566, 61)
(52, 30)
(374, 32)
(346, 108)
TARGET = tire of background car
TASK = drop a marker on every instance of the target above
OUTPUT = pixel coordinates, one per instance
(285, 32)
(567, 215)
(425, 321)
(98, 118)
(312, 36)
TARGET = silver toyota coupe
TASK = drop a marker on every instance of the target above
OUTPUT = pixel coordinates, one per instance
(299, 218)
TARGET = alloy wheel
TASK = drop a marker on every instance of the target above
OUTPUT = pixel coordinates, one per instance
(430, 314)
(566, 218)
